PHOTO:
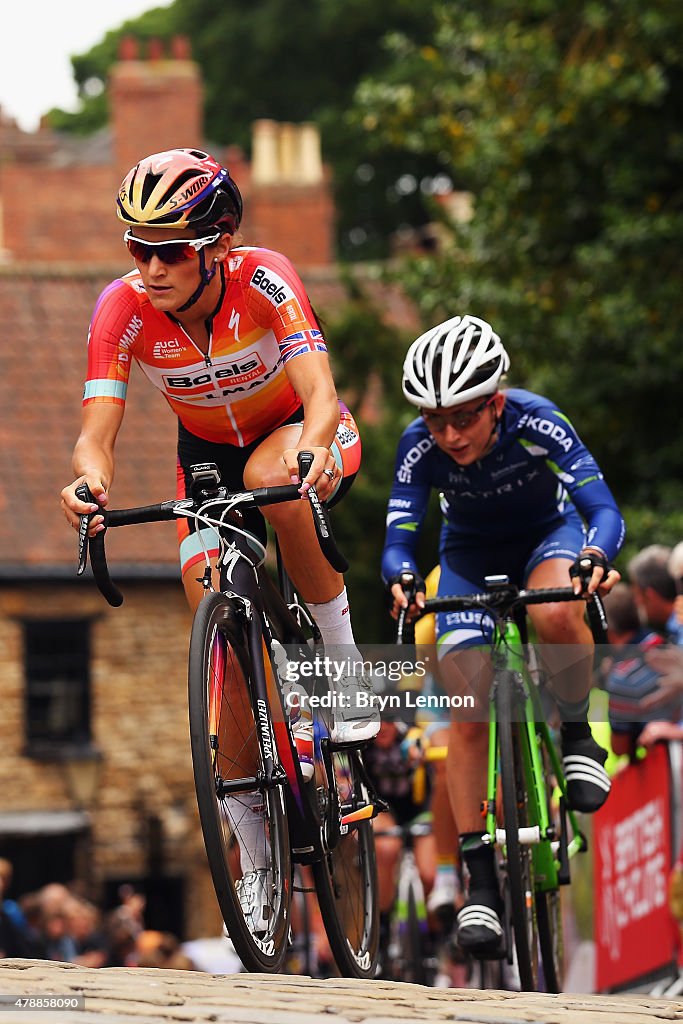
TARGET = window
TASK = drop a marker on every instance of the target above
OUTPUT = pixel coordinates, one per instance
(57, 662)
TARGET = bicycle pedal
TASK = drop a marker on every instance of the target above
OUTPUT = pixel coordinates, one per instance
(336, 745)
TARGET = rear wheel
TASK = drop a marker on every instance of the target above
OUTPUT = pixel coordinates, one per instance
(245, 831)
(518, 857)
(346, 877)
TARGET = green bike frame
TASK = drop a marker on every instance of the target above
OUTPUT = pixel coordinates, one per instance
(550, 860)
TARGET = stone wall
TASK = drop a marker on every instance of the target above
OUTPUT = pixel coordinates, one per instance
(139, 724)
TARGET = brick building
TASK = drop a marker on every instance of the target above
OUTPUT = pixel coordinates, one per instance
(95, 774)
(57, 194)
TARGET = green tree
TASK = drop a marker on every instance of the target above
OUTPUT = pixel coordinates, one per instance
(564, 122)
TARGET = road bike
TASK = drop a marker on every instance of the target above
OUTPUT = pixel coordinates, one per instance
(526, 811)
(410, 950)
(259, 815)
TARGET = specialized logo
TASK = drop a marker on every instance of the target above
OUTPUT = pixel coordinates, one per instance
(271, 284)
(265, 729)
(234, 324)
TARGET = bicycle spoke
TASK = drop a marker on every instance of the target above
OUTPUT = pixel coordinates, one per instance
(346, 879)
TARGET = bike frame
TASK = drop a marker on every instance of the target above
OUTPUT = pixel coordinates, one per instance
(266, 617)
(510, 661)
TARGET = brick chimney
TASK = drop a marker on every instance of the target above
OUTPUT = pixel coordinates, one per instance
(155, 101)
(290, 204)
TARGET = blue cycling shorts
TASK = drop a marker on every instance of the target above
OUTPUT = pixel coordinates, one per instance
(464, 565)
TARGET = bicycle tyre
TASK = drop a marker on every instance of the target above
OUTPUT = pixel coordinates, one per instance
(225, 746)
(488, 975)
(519, 861)
(412, 936)
(549, 908)
(346, 878)
(550, 939)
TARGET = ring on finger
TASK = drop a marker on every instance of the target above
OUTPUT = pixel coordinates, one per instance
(329, 472)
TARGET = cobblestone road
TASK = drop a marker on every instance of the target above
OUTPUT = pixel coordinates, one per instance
(127, 996)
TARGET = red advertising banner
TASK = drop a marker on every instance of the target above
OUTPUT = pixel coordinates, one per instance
(633, 930)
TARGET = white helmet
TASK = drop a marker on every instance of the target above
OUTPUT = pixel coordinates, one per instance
(458, 360)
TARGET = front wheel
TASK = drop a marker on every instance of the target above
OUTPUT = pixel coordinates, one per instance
(549, 920)
(518, 857)
(243, 821)
(346, 877)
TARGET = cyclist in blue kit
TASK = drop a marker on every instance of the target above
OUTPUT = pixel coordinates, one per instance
(522, 496)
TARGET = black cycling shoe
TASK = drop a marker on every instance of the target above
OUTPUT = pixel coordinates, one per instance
(480, 931)
(588, 784)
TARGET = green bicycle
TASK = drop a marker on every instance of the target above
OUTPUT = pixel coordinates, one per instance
(537, 833)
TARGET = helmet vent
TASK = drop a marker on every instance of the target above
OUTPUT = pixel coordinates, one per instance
(178, 183)
(149, 184)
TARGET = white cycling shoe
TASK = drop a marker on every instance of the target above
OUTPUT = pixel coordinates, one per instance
(444, 893)
(254, 891)
(355, 719)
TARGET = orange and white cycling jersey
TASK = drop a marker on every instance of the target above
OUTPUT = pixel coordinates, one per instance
(239, 390)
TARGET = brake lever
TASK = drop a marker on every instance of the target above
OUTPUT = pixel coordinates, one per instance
(405, 631)
(83, 493)
(321, 519)
(594, 606)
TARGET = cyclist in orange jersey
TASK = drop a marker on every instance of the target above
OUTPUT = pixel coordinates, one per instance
(227, 334)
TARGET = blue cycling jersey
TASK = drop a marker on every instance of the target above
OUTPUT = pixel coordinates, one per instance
(537, 472)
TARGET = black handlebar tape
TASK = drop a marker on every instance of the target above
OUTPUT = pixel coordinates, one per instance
(160, 513)
(405, 631)
(100, 571)
(321, 519)
(595, 609)
(98, 556)
(597, 619)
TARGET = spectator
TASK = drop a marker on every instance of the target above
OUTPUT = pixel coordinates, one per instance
(31, 907)
(162, 949)
(13, 939)
(629, 677)
(668, 661)
(59, 945)
(676, 570)
(121, 934)
(132, 905)
(83, 922)
(654, 589)
(10, 907)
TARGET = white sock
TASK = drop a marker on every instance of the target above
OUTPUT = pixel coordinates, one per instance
(246, 815)
(333, 619)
